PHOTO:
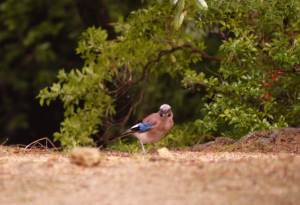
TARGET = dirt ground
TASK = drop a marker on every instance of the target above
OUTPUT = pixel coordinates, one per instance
(191, 177)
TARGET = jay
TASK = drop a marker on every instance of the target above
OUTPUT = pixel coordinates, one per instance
(152, 128)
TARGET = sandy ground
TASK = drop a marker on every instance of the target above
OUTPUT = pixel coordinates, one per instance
(190, 178)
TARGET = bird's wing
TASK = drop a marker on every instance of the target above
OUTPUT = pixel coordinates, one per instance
(152, 119)
(141, 126)
(145, 124)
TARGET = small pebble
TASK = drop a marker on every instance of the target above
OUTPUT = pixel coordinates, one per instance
(165, 153)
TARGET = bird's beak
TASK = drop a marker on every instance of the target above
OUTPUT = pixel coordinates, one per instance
(165, 113)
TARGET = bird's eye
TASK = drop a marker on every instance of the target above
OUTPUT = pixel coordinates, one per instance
(161, 114)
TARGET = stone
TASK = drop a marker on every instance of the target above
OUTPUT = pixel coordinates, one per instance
(85, 156)
(165, 153)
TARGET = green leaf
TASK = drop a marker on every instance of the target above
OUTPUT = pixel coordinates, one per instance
(42, 101)
(173, 2)
(222, 22)
(180, 6)
(201, 4)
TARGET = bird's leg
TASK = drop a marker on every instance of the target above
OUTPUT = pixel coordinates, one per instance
(143, 147)
(154, 145)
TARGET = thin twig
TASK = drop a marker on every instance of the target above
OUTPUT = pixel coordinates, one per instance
(262, 38)
(166, 30)
(141, 98)
(37, 141)
(4, 142)
(274, 63)
(285, 71)
(204, 55)
(203, 138)
(224, 36)
(214, 73)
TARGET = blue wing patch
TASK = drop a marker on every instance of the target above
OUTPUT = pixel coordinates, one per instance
(144, 127)
(141, 127)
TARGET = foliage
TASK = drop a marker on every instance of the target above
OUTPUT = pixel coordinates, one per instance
(180, 12)
(261, 46)
(254, 88)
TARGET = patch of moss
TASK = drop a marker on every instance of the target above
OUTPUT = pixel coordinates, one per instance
(255, 143)
(230, 147)
(267, 148)
(251, 149)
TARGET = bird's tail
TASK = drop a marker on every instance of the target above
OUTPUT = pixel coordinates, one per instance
(123, 134)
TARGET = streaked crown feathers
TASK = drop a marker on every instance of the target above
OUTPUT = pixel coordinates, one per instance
(165, 107)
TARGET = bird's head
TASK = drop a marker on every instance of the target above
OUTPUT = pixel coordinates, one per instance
(165, 111)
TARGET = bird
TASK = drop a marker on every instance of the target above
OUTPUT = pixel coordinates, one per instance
(152, 128)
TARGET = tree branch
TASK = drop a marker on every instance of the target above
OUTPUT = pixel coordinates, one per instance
(197, 85)
(141, 98)
(285, 71)
(204, 55)
(166, 30)
(193, 49)
(268, 34)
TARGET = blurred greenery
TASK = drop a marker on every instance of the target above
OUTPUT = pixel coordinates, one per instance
(37, 38)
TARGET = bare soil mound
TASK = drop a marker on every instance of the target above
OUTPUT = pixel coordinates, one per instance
(284, 140)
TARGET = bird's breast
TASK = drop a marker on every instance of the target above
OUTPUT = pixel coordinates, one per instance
(151, 136)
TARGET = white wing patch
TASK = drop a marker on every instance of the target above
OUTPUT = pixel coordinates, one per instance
(135, 126)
